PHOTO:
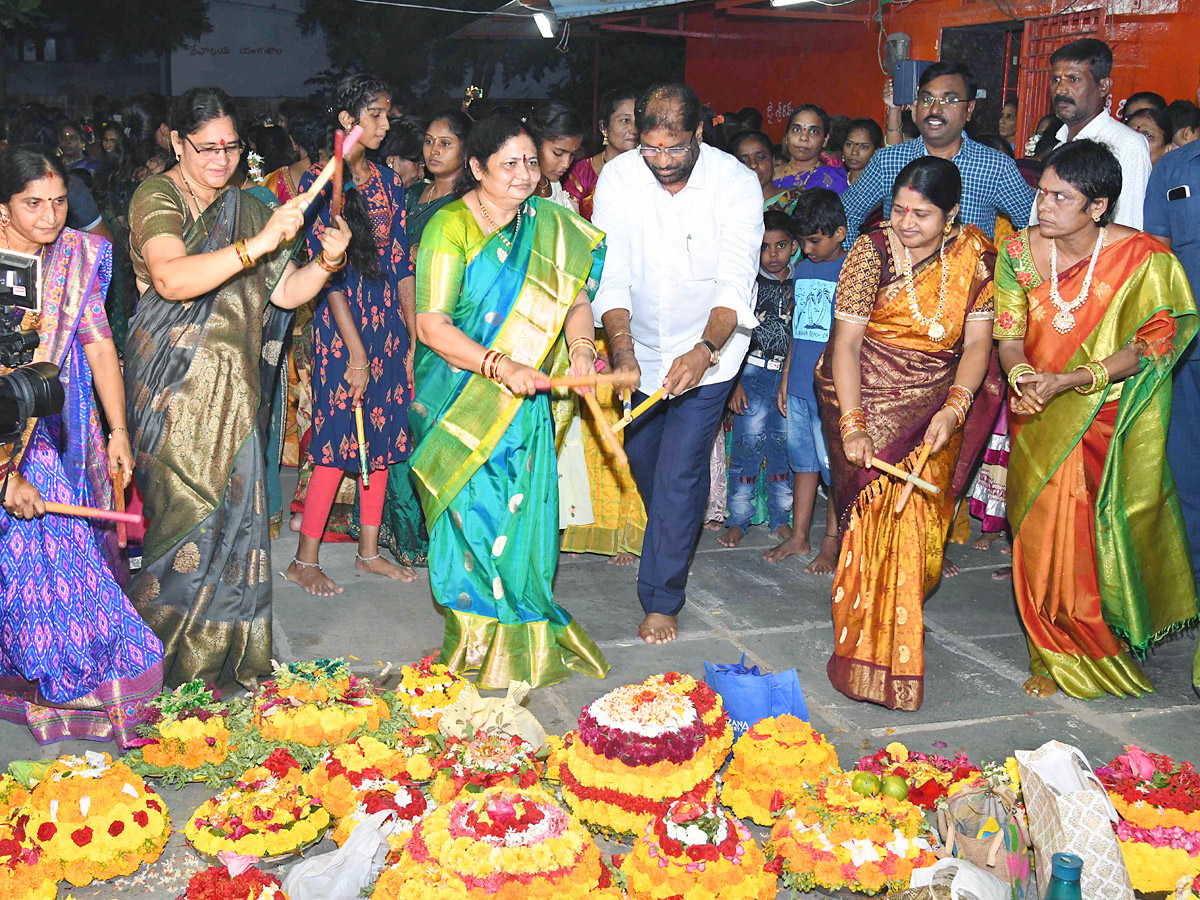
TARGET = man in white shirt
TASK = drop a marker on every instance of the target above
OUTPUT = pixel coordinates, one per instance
(684, 224)
(1080, 80)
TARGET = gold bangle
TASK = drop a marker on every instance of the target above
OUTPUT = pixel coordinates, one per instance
(113, 431)
(358, 368)
(324, 263)
(1099, 374)
(1016, 372)
(242, 249)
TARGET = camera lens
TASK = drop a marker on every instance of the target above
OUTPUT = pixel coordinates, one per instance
(35, 389)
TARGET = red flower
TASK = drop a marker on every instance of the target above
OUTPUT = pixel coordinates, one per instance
(776, 802)
(1024, 279)
(280, 762)
(46, 832)
(9, 847)
(116, 828)
(774, 866)
(141, 818)
(82, 836)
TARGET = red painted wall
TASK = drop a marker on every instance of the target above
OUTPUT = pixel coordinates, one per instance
(782, 61)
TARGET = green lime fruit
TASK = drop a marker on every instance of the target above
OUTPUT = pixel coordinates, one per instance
(894, 786)
(866, 783)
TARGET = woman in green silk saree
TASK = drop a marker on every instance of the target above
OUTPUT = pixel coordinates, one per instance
(1100, 558)
(503, 281)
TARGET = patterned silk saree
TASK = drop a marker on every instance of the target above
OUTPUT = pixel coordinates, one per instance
(1099, 548)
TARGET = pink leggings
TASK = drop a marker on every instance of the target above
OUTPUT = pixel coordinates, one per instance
(322, 488)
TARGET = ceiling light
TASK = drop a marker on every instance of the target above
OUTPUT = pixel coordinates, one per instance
(545, 26)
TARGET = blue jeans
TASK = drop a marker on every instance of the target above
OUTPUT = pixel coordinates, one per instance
(759, 433)
(806, 441)
(674, 486)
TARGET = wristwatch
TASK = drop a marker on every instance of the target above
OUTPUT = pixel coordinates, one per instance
(714, 353)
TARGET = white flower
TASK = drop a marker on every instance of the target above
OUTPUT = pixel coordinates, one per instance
(861, 851)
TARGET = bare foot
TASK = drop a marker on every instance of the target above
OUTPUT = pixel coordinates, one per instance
(377, 565)
(796, 545)
(713, 525)
(1040, 686)
(783, 532)
(825, 562)
(623, 558)
(985, 540)
(658, 629)
(949, 569)
(731, 538)
(1006, 549)
(1004, 574)
(312, 579)
(295, 521)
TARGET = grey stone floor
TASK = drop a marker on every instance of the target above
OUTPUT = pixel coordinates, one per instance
(976, 661)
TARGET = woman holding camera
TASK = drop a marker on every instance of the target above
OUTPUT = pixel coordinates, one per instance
(76, 661)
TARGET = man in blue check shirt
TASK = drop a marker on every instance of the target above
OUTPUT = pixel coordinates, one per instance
(991, 180)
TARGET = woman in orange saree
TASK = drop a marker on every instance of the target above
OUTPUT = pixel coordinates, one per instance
(910, 351)
(1090, 318)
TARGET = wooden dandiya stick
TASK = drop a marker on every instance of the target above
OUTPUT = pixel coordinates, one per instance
(606, 430)
(339, 149)
(626, 400)
(306, 199)
(904, 476)
(639, 409)
(119, 505)
(922, 458)
(616, 379)
(90, 512)
(362, 448)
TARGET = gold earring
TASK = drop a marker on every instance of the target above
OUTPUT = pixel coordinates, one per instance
(949, 227)
(1096, 219)
(5, 221)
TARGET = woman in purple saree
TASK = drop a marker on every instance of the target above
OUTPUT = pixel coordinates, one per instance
(76, 661)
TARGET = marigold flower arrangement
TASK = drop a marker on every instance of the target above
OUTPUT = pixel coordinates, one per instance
(341, 776)
(95, 819)
(640, 747)
(185, 727)
(1188, 888)
(426, 690)
(220, 883)
(12, 796)
(833, 837)
(555, 751)
(929, 776)
(265, 813)
(408, 803)
(26, 871)
(315, 703)
(501, 843)
(782, 754)
(1159, 802)
(484, 760)
(697, 852)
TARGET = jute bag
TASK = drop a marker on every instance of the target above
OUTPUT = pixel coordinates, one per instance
(1069, 812)
(1005, 854)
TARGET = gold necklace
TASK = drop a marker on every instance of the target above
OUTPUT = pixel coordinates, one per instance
(196, 200)
(933, 325)
(495, 230)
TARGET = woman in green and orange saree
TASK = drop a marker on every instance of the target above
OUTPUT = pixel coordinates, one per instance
(1090, 317)
(503, 283)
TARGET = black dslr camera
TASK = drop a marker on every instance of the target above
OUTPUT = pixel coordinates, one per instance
(28, 391)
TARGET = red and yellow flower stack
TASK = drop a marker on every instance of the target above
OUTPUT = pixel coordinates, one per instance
(407, 802)
(188, 729)
(265, 813)
(930, 776)
(500, 844)
(94, 819)
(26, 871)
(781, 754)
(316, 703)
(12, 796)
(485, 760)
(219, 883)
(697, 852)
(833, 837)
(1159, 832)
(363, 764)
(641, 747)
(426, 690)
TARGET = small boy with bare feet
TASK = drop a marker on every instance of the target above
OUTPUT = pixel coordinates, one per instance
(759, 429)
(820, 224)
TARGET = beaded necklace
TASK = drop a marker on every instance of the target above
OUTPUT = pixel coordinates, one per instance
(495, 230)
(932, 325)
(1064, 319)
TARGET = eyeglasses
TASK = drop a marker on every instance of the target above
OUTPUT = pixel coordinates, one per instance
(928, 101)
(234, 149)
(673, 152)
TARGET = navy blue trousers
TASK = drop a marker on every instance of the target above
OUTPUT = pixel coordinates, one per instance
(668, 449)
(1183, 442)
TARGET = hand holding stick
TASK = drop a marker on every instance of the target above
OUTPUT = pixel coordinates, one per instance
(306, 199)
(119, 505)
(639, 409)
(626, 400)
(922, 458)
(606, 430)
(904, 476)
(362, 448)
(616, 379)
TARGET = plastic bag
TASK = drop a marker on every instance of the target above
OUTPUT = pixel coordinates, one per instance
(750, 695)
(342, 874)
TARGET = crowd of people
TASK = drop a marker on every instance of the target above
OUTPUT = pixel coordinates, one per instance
(1001, 328)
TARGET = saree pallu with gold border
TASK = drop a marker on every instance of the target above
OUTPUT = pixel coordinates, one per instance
(198, 376)
(484, 461)
(76, 661)
(1099, 549)
(889, 562)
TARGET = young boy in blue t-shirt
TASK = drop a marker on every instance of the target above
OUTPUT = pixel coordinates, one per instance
(820, 225)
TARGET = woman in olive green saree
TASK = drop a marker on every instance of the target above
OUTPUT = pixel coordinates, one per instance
(502, 291)
(1099, 550)
(217, 289)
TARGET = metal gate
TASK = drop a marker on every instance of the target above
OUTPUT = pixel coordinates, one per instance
(1042, 37)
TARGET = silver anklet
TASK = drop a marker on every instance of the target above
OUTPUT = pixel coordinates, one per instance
(305, 565)
(368, 559)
